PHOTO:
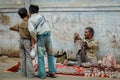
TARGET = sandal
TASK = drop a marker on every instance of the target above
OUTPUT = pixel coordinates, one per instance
(42, 77)
(52, 75)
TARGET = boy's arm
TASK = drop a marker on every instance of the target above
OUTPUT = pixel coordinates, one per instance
(14, 28)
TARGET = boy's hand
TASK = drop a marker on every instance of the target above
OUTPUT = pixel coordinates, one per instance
(33, 43)
(32, 46)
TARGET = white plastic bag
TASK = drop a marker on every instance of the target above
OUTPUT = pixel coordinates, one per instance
(33, 52)
(109, 60)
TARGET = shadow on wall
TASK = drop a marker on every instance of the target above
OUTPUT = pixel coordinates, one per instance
(9, 53)
(70, 55)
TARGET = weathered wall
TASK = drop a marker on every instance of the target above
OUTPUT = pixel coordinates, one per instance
(9, 40)
(66, 17)
(106, 26)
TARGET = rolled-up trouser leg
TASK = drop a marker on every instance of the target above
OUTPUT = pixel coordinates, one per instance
(78, 57)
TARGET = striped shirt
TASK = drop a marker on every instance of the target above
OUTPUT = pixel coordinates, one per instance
(37, 25)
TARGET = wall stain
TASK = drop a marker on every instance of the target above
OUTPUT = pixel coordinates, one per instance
(4, 19)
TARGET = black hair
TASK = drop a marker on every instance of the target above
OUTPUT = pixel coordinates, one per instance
(22, 12)
(33, 9)
(91, 30)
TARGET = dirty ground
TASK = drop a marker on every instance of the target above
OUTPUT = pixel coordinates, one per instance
(6, 62)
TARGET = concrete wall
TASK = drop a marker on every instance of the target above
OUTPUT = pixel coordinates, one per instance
(66, 17)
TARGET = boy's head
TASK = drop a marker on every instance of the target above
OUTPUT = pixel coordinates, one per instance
(22, 12)
(33, 9)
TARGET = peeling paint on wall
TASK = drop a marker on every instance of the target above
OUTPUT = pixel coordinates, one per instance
(17, 1)
(4, 19)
